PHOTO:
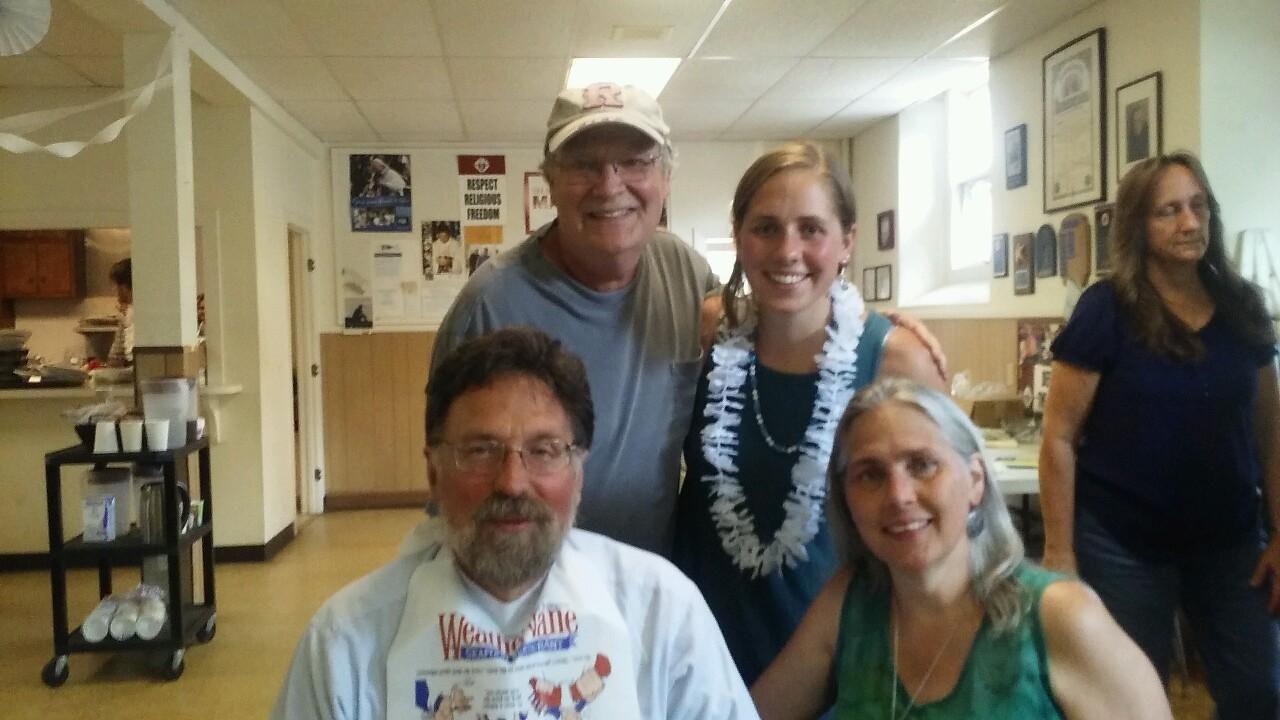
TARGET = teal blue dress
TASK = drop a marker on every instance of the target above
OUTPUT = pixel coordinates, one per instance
(1005, 677)
(757, 615)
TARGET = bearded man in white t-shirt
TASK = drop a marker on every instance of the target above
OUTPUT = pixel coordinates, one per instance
(496, 607)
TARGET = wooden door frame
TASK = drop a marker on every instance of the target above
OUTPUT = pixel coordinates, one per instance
(307, 352)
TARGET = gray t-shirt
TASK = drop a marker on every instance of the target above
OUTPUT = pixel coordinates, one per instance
(640, 347)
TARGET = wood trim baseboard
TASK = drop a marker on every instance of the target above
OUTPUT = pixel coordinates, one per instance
(25, 562)
(256, 553)
(374, 500)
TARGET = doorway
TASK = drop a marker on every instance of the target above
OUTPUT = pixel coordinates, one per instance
(308, 479)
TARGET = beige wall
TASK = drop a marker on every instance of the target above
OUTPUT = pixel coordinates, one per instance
(1142, 36)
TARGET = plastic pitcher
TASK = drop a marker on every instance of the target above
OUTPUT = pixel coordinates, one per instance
(174, 399)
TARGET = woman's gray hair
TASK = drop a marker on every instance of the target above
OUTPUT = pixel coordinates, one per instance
(994, 553)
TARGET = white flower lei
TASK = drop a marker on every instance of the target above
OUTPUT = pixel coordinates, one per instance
(730, 356)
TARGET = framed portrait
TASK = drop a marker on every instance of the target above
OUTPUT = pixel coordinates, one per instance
(1102, 217)
(1000, 255)
(1075, 116)
(884, 282)
(1024, 276)
(1046, 251)
(868, 283)
(884, 230)
(1139, 113)
(1074, 248)
(1015, 157)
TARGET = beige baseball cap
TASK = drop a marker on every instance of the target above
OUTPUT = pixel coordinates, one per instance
(577, 109)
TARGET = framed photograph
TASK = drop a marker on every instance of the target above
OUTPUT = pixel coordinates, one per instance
(1024, 276)
(1015, 157)
(884, 282)
(1000, 255)
(1075, 116)
(884, 229)
(868, 283)
(1046, 252)
(1139, 131)
(1102, 217)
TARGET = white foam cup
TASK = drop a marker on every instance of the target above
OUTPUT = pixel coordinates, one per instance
(104, 437)
(131, 435)
(157, 434)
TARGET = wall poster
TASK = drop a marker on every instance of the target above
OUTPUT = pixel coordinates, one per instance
(1075, 140)
(538, 210)
(381, 193)
(442, 257)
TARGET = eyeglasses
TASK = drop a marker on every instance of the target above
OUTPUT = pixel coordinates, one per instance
(588, 171)
(486, 457)
(1199, 208)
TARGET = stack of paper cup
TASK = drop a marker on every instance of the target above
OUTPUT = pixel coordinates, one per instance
(104, 437)
(157, 434)
(131, 435)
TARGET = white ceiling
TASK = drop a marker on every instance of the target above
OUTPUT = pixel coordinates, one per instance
(486, 70)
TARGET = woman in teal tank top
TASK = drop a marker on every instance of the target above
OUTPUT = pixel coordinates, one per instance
(936, 615)
(786, 359)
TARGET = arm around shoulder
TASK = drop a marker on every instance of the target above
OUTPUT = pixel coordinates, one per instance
(797, 683)
(906, 355)
(1094, 667)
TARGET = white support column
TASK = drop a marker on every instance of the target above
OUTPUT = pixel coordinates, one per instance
(161, 197)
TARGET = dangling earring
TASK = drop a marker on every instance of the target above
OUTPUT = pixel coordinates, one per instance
(840, 273)
(974, 524)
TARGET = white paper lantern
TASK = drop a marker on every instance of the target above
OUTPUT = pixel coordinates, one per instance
(23, 24)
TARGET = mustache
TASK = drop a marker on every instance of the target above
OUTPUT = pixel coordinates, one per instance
(513, 508)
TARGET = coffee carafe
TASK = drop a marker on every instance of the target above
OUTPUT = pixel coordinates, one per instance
(151, 510)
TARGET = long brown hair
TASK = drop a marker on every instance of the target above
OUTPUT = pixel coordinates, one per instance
(1238, 300)
(798, 155)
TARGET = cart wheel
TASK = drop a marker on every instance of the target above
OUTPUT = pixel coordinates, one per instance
(55, 671)
(173, 670)
(206, 633)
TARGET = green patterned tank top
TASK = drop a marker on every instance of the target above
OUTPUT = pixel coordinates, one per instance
(1004, 677)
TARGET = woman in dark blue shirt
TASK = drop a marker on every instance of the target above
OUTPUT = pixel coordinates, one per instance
(1160, 433)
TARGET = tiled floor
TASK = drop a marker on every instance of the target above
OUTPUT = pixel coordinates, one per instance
(262, 609)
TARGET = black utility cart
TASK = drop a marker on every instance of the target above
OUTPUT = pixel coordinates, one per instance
(187, 621)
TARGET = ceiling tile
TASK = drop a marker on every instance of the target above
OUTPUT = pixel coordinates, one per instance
(595, 23)
(35, 69)
(483, 28)
(411, 117)
(725, 79)
(387, 78)
(843, 129)
(843, 78)
(103, 71)
(73, 32)
(924, 79)
(505, 120)
(293, 78)
(369, 28)
(330, 117)
(1017, 23)
(768, 28)
(695, 119)
(508, 78)
(777, 120)
(889, 28)
(240, 28)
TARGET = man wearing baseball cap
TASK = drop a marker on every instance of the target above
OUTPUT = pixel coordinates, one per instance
(616, 291)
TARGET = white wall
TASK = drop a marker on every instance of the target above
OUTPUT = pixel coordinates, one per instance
(701, 194)
(875, 189)
(1240, 110)
(1143, 36)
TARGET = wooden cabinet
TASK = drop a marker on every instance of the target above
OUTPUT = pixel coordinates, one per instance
(42, 264)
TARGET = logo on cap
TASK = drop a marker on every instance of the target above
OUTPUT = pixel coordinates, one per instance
(600, 95)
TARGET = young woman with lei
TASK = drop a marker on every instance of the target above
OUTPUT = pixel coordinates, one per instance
(750, 529)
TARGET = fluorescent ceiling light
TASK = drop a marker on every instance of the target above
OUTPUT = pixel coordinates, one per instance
(648, 74)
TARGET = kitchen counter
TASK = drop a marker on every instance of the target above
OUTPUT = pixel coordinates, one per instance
(36, 392)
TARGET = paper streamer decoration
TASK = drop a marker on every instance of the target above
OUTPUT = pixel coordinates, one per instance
(29, 122)
(23, 24)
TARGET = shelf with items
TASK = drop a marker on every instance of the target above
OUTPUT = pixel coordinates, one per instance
(186, 621)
